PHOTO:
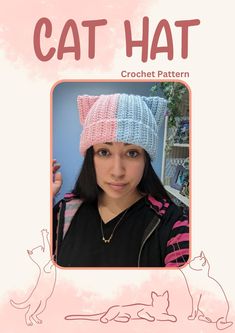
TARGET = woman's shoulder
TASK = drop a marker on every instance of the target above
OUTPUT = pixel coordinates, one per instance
(69, 201)
(161, 206)
(167, 209)
(69, 197)
(65, 210)
(174, 233)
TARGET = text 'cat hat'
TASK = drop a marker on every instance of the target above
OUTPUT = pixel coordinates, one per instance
(121, 118)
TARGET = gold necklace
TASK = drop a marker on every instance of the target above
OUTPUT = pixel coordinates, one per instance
(111, 236)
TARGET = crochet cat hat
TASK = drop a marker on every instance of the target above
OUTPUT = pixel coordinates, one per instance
(121, 118)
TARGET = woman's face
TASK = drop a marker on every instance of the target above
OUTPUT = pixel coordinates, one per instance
(119, 168)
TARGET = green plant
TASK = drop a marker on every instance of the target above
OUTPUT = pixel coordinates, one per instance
(173, 92)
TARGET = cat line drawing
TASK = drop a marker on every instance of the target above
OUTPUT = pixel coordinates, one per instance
(202, 287)
(44, 287)
(157, 310)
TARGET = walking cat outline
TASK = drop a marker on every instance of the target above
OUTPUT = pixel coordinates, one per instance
(37, 300)
(156, 310)
(202, 287)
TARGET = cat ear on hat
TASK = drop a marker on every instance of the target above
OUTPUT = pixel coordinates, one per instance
(84, 104)
(158, 107)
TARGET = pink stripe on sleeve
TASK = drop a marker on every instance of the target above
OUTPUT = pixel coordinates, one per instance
(175, 264)
(175, 255)
(69, 195)
(178, 238)
(70, 212)
(180, 224)
(155, 202)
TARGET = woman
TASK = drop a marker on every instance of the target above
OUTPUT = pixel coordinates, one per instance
(119, 214)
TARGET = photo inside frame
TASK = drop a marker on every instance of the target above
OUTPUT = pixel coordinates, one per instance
(173, 140)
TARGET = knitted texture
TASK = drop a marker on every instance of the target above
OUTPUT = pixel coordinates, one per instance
(121, 118)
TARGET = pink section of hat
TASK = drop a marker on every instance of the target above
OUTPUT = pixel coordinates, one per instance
(98, 117)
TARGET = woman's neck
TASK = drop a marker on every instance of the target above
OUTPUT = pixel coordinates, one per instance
(110, 207)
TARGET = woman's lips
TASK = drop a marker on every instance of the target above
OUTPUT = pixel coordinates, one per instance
(117, 186)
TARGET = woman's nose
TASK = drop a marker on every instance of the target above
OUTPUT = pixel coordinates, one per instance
(118, 167)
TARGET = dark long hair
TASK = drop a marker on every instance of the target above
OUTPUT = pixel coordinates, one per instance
(86, 187)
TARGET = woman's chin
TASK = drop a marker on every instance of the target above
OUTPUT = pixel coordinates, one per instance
(115, 194)
(119, 192)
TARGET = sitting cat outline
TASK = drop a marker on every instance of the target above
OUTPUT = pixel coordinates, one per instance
(156, 310)
(202, 287)
(44, 287)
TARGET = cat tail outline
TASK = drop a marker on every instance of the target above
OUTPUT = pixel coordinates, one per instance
(222, 323)
(91, 317)
(22, 305)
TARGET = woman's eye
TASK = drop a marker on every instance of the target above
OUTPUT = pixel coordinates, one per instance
(103, 153)
(132, 153)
